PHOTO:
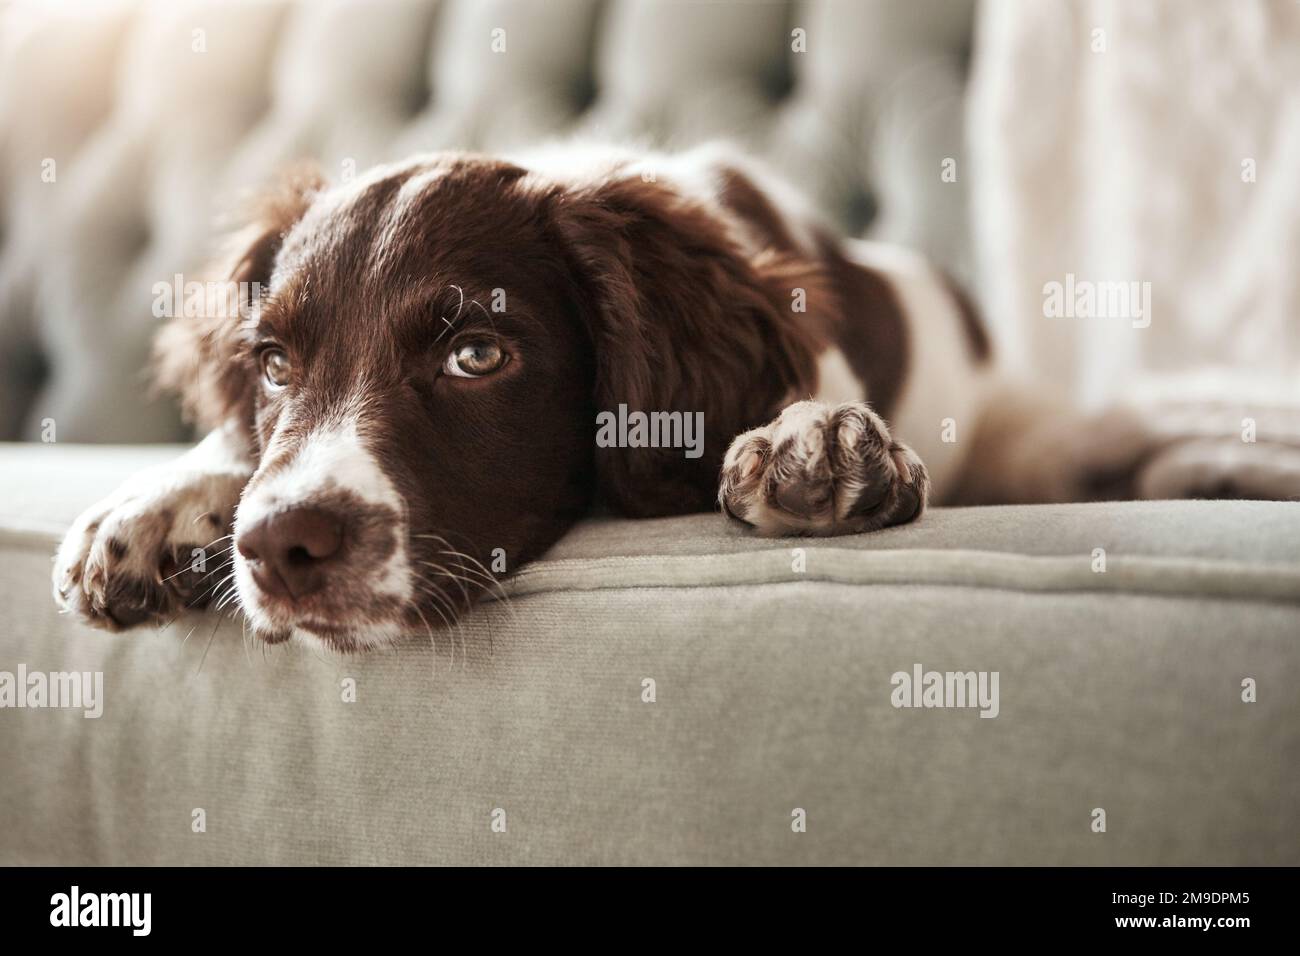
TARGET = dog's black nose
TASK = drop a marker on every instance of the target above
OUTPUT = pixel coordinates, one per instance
(288, 551)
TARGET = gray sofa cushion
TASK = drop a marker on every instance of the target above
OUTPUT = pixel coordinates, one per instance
(1118, 690)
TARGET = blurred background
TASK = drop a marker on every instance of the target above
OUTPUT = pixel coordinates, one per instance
(1014, 141)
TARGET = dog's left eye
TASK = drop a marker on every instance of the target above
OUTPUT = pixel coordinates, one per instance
(275, 368)
(475, 359)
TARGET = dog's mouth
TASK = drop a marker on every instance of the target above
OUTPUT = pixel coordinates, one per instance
(424, 586)
(337, 576)
(350, 632)
(342, 640)
(351, 611)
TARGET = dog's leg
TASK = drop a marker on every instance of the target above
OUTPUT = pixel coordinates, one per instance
(1026, 450)
(159, 543)
(822, 469)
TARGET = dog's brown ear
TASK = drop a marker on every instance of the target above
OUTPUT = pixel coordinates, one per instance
(199, 354)
(682, 320)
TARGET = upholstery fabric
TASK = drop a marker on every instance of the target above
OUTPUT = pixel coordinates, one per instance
(159, 117)
(1118, 690)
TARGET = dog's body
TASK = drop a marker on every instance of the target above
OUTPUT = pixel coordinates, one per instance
(414, 402)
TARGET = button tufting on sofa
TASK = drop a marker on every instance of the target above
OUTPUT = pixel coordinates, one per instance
(160, 122)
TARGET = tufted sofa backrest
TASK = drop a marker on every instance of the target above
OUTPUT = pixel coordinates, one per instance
(127, 130)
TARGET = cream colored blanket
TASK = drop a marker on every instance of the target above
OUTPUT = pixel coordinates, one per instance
(1137, 193)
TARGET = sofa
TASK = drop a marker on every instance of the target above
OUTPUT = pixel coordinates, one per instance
(661, 692)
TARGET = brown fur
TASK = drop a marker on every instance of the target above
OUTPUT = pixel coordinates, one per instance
(680, 320)
(618, 291)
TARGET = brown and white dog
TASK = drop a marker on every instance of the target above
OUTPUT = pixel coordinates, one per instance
(416, 397)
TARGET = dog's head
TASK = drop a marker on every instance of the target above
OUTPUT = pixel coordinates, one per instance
(420, 378)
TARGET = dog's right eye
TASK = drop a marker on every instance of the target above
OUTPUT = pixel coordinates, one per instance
(475, 359)
(275, 368)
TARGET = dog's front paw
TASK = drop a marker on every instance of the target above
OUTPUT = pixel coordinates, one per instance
(822, 469)
(156, 546)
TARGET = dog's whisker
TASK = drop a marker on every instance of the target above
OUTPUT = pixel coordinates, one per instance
(430, 589)
(214, 589)
(232, 593)
(207, 647)
(490, 584)
(498, 591)
(440, 602)
(478, 568)
(223, 566)
(460, 582)
(193, 602)
(457, 629)
(243, 639)
(433, 644)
